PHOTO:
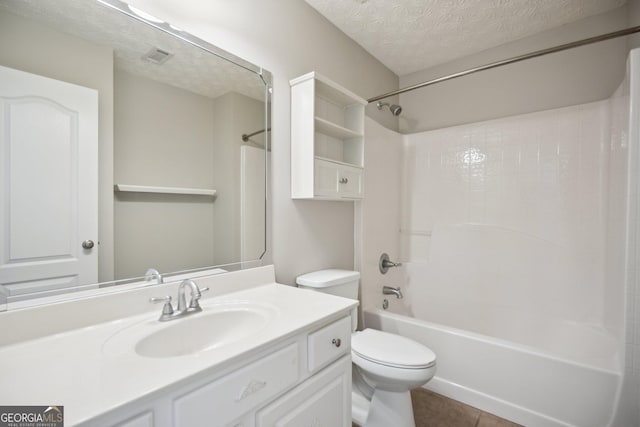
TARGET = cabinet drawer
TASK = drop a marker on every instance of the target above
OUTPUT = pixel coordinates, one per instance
(229, 397)
(329, 343)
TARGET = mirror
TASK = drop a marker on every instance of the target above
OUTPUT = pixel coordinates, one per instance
(123, 150)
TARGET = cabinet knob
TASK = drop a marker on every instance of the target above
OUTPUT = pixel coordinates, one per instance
(343, 180)
(337, 342)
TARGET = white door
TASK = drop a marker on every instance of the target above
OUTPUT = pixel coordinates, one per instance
(48, 183)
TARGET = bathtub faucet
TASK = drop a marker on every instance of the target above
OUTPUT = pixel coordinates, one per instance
(384, 264)
(388, 290)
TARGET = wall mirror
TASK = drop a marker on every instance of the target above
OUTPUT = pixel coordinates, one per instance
(127, 145)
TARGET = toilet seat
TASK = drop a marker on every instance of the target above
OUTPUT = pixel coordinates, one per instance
(391, 350)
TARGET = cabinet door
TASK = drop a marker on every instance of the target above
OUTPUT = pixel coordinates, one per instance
(326, 179)
(337, 181)
(324, 400)
(350, 182)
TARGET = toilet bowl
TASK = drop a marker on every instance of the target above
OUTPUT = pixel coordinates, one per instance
(386, 366)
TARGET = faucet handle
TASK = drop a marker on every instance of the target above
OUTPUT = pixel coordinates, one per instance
(384, 264)
(195, 299)
(168, 308)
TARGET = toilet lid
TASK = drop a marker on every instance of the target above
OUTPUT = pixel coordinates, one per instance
(391, 350)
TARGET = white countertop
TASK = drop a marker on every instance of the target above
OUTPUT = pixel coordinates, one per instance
(74, 368)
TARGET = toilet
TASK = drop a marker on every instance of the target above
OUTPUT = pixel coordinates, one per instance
(386, 366)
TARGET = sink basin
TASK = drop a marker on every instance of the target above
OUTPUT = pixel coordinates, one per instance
(214, 327)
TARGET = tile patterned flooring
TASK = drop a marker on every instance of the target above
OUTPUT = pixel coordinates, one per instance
(434, 410)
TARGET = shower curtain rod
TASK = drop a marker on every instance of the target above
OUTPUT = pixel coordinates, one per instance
(245, 137)
(530, 55)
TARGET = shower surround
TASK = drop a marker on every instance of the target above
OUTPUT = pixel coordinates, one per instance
(513, 234)
(505, 227)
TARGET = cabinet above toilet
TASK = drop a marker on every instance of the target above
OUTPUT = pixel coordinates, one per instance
(327, 140)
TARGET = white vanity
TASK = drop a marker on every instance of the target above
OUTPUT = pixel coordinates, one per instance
(259, 354)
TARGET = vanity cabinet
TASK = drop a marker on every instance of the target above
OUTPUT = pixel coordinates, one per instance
(303, 381)
(327, 140)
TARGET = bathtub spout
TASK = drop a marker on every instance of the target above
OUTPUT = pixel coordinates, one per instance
(388, 290)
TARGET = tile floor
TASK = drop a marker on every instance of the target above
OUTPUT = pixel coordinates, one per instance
(434, 410)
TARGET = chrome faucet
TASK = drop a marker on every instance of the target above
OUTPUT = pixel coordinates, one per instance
(388, 290)
(151, 274)
(181, 310)
(194, 304)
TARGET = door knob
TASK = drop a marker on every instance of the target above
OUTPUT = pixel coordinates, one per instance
(87, 244)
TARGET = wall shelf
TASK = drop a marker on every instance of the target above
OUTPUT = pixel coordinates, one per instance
(334, 130)
(164, 190)
(327, 140)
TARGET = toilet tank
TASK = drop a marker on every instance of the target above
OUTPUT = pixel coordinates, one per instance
(343, 283)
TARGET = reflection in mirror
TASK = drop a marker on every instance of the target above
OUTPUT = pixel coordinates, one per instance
(122, 150)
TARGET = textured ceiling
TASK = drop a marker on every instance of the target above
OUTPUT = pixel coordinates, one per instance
(190, 68)
(411, 35)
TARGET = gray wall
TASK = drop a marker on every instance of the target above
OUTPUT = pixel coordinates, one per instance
(31, 47)
(234, 115)
(164, 136)
(289, 38)
(572, 77)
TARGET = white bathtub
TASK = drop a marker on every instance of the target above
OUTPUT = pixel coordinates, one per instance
(522, 383)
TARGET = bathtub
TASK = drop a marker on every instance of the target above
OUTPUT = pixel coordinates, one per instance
(525, 384)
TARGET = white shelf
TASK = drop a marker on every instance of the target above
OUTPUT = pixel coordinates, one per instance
(164, 190)
(334, 130)
(338, 162)
(326, 88)
(327, 140)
